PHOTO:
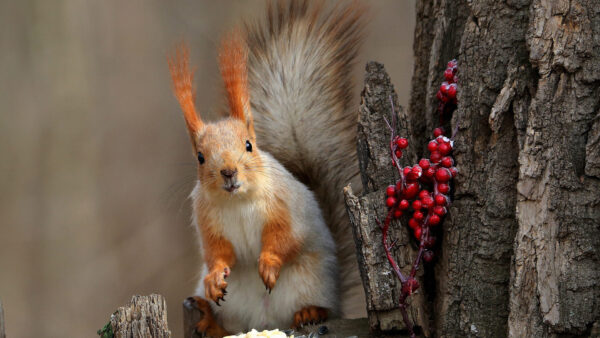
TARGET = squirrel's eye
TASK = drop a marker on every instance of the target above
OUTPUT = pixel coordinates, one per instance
(200, 158)
(248, 146)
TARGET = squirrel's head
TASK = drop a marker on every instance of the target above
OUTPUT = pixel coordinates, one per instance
(228, 160)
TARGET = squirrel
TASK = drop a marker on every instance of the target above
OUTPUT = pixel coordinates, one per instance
(268, 203)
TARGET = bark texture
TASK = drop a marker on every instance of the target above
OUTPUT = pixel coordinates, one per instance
(555, 287)
(382, 288)
(144, 316)
(520, 253)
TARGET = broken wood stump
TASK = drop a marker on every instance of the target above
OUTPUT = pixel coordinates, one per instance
(144, 316)
(381, 285)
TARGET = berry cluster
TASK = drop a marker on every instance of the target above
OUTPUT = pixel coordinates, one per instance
(447, 92)
(423, 188)
(422, 191)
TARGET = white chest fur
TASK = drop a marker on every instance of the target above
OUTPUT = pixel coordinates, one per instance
(242, 224)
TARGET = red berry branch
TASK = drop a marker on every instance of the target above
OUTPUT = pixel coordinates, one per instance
(421, 191)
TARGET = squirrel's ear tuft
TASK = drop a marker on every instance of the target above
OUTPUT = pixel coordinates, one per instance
(233, 57)
(183, 87)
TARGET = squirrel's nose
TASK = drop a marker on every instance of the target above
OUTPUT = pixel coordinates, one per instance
(228, 173)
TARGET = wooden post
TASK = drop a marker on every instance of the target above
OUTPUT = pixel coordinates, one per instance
(144, 316)
(191, 316)
(381, 286)
(2, 325)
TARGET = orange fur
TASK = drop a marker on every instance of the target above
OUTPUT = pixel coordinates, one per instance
(219, 257)
(309, 315)
(208, 325)
(232, 62)
(278, 243)
(183, 87)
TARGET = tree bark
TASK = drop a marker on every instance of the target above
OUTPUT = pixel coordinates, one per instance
(382, 288)
(144, 316)
(520, 253)
(555, 287)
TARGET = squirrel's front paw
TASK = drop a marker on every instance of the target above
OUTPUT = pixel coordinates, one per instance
(268, 269)
(215, 284)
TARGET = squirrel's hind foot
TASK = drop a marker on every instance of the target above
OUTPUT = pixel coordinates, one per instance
(207, 326)
(309, 315)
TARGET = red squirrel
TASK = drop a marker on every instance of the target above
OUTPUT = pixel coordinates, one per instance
(272, 257)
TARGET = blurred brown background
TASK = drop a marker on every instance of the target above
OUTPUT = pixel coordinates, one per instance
(95, 164)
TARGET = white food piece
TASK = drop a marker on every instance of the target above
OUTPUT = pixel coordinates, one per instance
(266, 333)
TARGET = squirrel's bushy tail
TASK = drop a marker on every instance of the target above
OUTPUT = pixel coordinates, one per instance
(299, 71)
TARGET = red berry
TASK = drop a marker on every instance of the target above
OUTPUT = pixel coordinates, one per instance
(393, 163)
(432, 146)
(398, 153)
(413, 223)
(402, 143)
(443, 175)
(444, 88)
(440, 199)
(416, 171)
(399, 186)
(445, 148)
(397, 214)
(448, 74)
(452, 91)
(434, 219)
(442, 139)
(443, 98)
(439, 210)
(418, 215)
(438, 132)
(412, 189)
(417, 205)
(430, 172)
(406, 170)
(390, 201)
(435, 157)
(424, 163)
(452, 64)
(427, 202)
(443, 188)
(423, 194)
(391, 190)
(430, 242)
(447, 161)
(453, 171)
(439, 95)
(428, 256)
(403, 205)
(417, 233)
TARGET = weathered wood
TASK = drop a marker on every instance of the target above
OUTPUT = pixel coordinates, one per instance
(2, 324)
(381, 286)
(144, 316)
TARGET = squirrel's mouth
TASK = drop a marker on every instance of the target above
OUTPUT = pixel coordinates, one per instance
(231, 187)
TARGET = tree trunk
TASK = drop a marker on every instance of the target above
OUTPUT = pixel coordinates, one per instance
(520, 253)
